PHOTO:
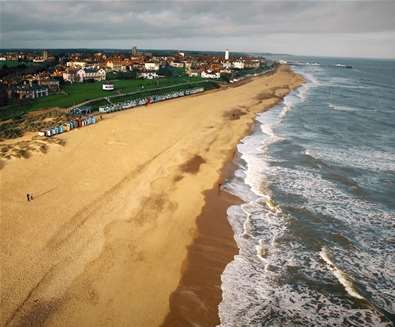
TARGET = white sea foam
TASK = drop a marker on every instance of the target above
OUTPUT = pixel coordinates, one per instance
(255, 284)
(356, 157)
(341, 108)
(343, 278)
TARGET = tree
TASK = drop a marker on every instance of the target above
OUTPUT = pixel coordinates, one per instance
(3, 95)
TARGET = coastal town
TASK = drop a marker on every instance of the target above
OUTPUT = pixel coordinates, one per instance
(31, 75)
(65, 84)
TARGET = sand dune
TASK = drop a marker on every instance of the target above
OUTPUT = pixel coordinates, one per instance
(103, 242)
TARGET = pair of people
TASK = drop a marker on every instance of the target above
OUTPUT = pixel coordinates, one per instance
(29, 196)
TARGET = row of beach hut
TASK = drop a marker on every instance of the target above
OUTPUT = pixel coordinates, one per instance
(67, 126)
(151, 99)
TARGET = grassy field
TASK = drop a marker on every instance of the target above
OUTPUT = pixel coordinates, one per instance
(14, 63)
(206, 85)
(79, 92)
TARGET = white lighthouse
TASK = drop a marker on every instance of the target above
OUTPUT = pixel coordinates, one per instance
(226, 54)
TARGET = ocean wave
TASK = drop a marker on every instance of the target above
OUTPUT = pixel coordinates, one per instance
(343, 278)
(341, 108)
(316, 258)
(356, 157)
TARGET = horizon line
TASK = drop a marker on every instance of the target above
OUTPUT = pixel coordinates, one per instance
(188, 50)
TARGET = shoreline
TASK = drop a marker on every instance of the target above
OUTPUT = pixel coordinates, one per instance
(98, 242)
(197, 297)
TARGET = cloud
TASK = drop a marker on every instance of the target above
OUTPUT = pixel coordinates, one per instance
(176, 23)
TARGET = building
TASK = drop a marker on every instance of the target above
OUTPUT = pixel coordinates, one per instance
(148, 75)
(117, 65)
(210, 74)
(252, 64)
(70, 75)
(152, 66)
(45, 55)
(226, 54)
(52, 84)
(108, 87)
(238, 64)
(76, 64)
(30, 92)
(226, 65)
(134, 51)
(91, 74)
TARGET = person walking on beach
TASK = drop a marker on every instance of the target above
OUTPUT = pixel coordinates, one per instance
(31, 196)
(28, 196)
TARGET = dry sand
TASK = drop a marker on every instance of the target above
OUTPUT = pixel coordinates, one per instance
(104, 240)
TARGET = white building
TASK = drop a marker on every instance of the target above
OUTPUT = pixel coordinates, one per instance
(76, 64)
(91, 73)
(31, 92)
(148, 75)
(238, 64)
(154, 66)
(210, 74)
(226, 54)
(118, 65)
(226, 65)
(108, 87)
(70, 75)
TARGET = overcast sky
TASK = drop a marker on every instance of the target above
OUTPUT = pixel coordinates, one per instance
(326, 28)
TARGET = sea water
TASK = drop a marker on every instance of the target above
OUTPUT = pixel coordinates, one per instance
(316, 231)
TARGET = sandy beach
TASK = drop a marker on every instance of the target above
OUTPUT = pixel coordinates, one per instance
(105, 240)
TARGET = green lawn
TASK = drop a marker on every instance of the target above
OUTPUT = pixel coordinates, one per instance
(206, 85)
(79, 92)
(15, 63)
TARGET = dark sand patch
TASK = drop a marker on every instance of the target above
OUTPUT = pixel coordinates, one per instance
(178, 178)
(38, 314)
(234, 114)
(196, 299)
(192, 166)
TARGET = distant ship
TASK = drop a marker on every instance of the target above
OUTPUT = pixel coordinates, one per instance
(343, 66)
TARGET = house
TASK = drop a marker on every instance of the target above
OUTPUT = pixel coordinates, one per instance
(117, 65)
(151, 66)
(70, 75)
(52, 84)
(76, 64)
(148, 75)
(254, 63)
(210, 74)
(238, 64)
(30, 92)
(226, 65)
(91, 74)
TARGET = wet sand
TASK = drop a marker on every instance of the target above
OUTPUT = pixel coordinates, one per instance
(195, 301)
(105, 240)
